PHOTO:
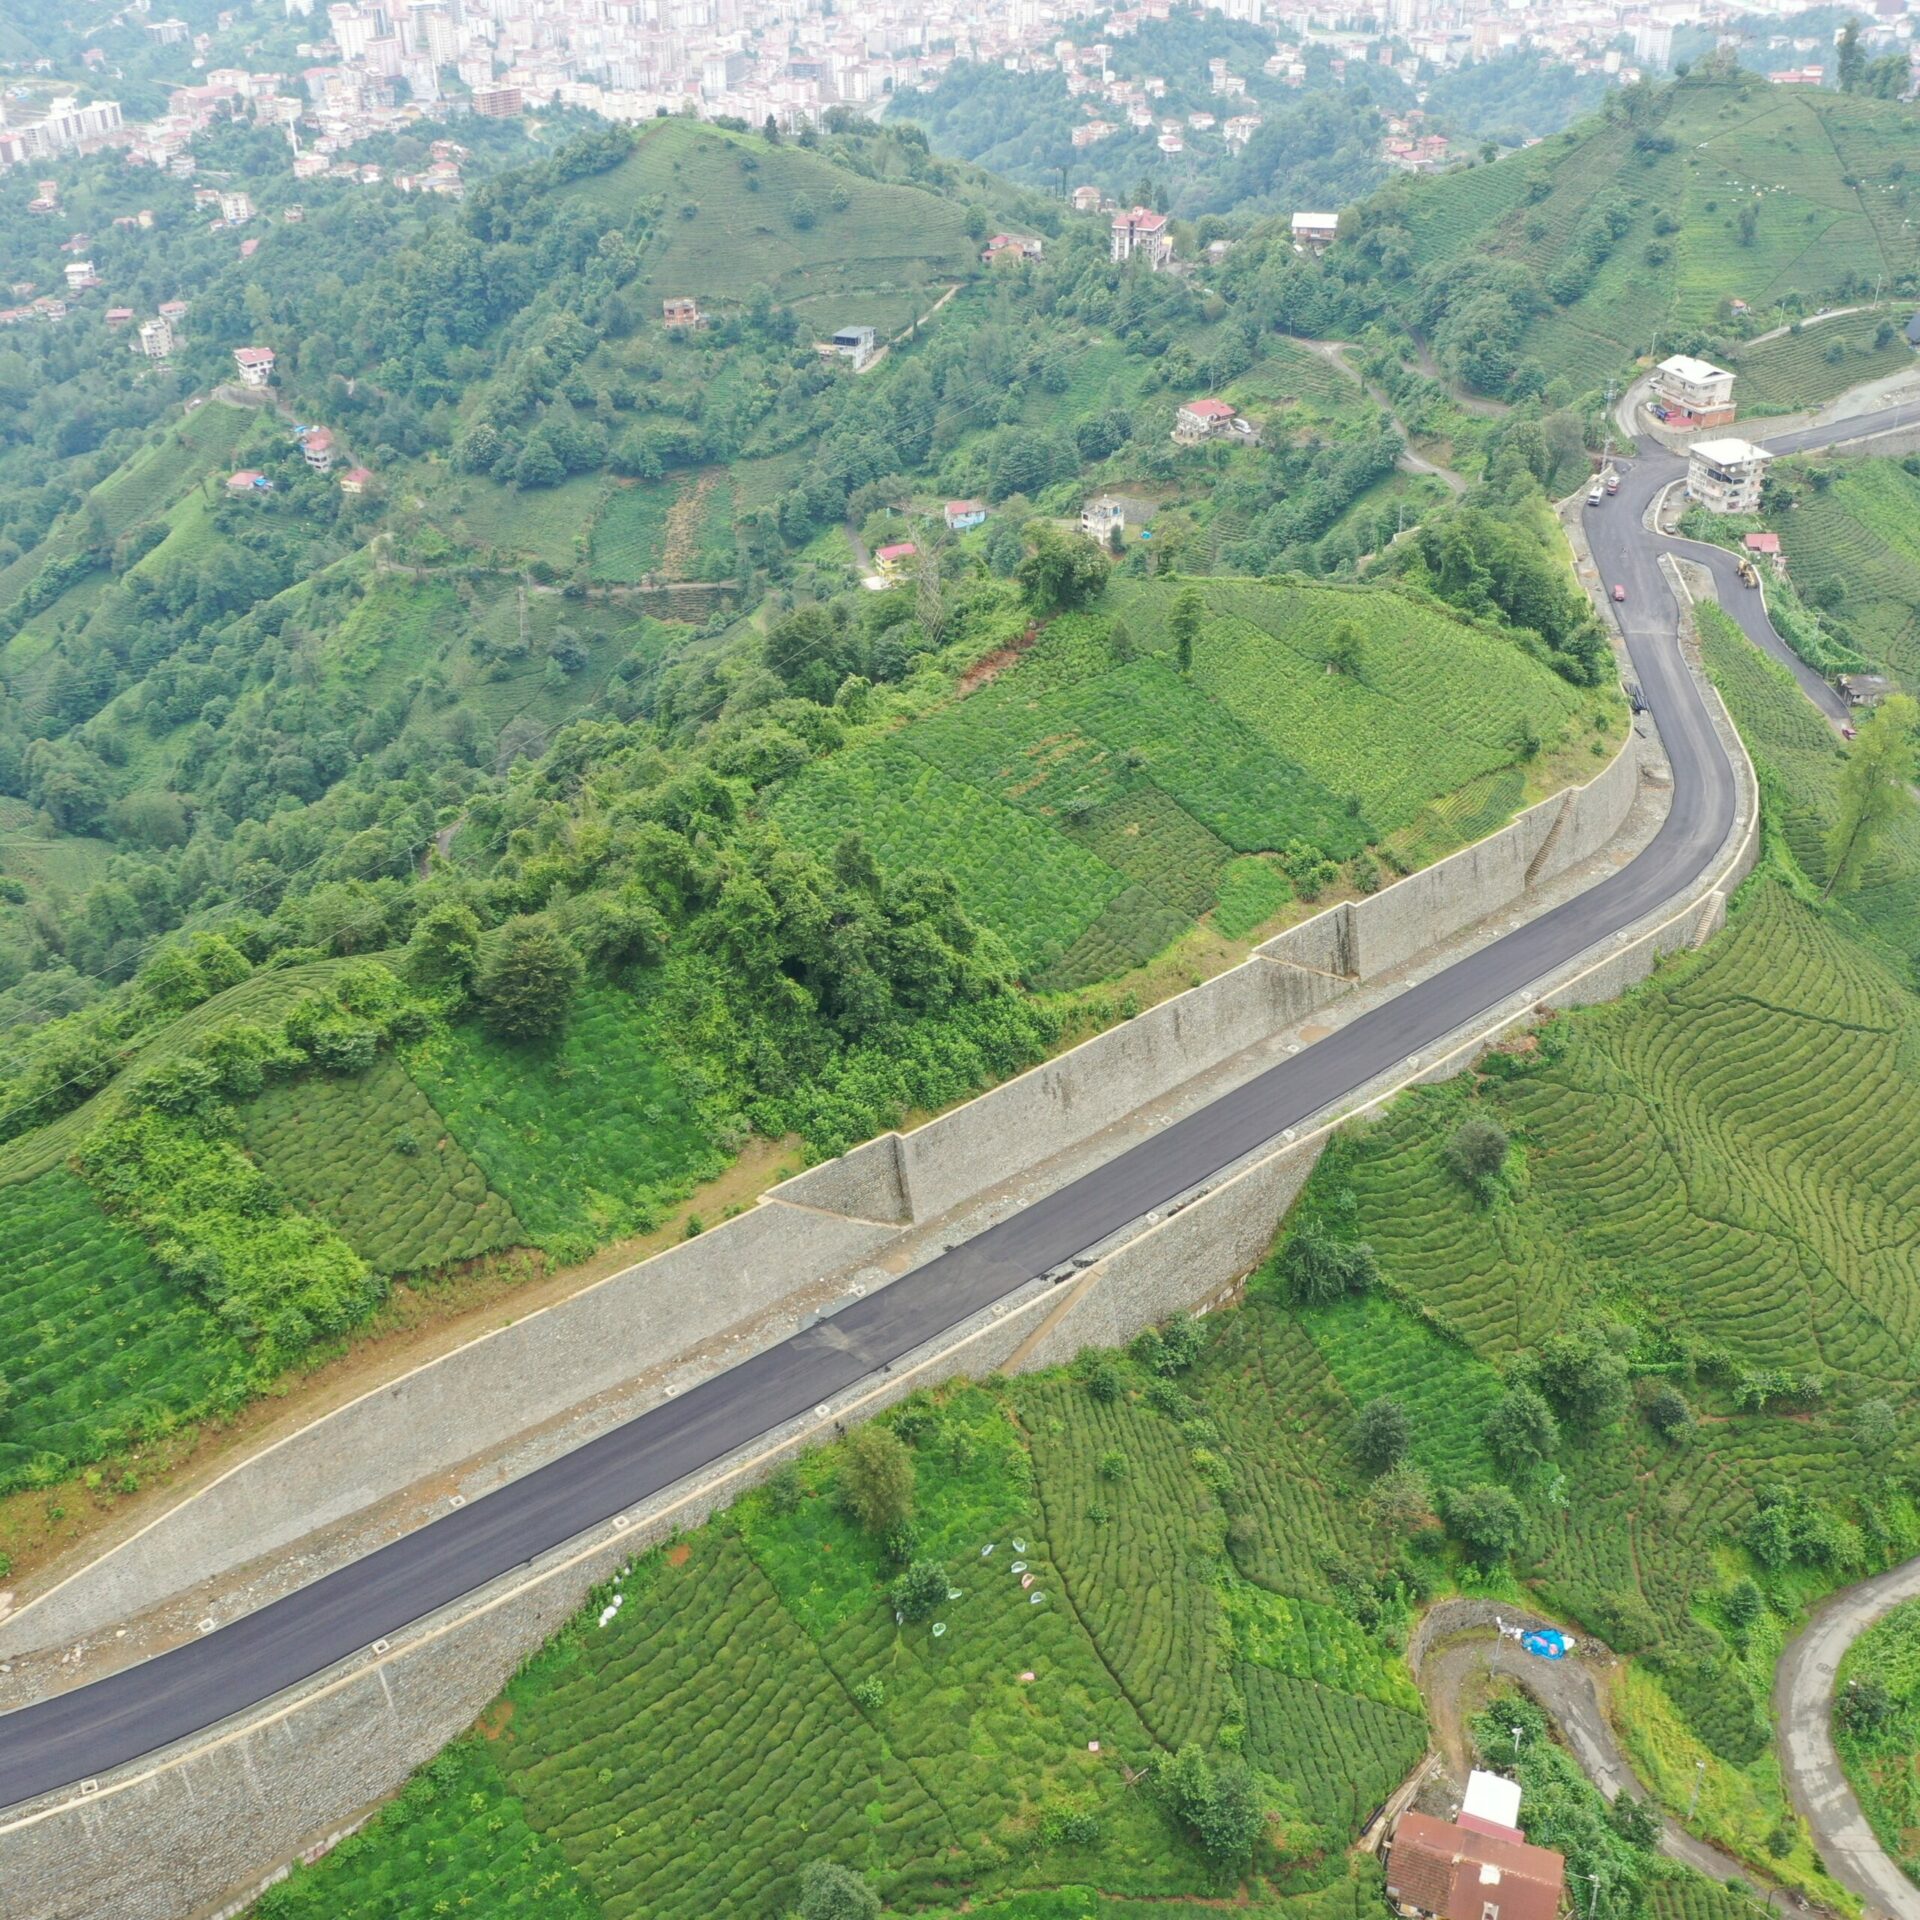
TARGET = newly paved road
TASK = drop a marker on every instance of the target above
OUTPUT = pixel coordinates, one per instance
(85, 1732)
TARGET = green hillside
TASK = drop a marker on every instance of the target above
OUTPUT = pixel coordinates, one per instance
(1686, 1272)
(1852, 541)
(1644, 225)
(1877, 1728)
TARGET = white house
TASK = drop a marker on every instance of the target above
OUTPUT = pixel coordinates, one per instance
(1101, 518)
(1315, 232)
(255, 364)
(1726, 476)
(156, 339)
(962, 514)
(1696, 388)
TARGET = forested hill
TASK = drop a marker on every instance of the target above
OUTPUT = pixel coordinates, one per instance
(685, 741)
(1319, 143)
(1698, 215)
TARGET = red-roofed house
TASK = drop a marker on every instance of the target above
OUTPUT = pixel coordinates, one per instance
(962, 514)
(356, 480)
(1004, 248)
(248, 480)
(1445, 1870)
(1769, 545)
(894, 558)
(317, 445)
(1141, 231)
(1199, 420)
(119, 316)
(255, 364)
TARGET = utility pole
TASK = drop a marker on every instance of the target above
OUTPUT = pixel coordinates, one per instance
(1699, 1774)
(1593, 1904)
(1518, 1734)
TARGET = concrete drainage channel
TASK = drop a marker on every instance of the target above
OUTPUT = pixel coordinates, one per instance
(182, 1831)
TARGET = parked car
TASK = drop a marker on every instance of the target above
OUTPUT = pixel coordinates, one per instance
(1619, 592)
(1595, 494)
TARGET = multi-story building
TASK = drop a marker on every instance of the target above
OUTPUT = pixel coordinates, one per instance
(1695, 389)
(255, 364)
(155, 339)
(1726, 476)
(1141, 231)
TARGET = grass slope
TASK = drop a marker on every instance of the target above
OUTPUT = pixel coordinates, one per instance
(1825, 170)
(1879, 1757)
(1859, 537)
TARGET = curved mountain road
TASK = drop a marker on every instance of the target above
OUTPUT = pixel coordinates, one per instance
(91, 1729)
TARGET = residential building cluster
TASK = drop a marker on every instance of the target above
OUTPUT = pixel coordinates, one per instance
(373, 66)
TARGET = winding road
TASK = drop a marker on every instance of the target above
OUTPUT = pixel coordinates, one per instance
(87, 1731)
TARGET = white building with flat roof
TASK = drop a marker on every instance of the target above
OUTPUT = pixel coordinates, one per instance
(1696, 388)
(1725, 476)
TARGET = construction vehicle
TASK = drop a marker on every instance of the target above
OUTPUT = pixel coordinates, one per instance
(1749, 574)
(1595, 494)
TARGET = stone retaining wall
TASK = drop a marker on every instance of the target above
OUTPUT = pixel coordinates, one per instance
(178, 1832)
(819, 1227)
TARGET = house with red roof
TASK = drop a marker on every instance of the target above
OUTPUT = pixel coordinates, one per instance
(316, 445)
(356, 480)
(1140, 231)
(1477, 1866)
(962, 514)
(1199, 420)
(894, 559)
(255, 364)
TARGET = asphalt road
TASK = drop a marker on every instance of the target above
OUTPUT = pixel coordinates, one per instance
(87, 1731)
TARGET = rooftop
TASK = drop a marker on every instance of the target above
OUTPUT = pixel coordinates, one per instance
(1730, 452)
(1683, 366)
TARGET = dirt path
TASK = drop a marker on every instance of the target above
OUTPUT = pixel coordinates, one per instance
(1480, 403)
(1334, 353)
(1459, 1654)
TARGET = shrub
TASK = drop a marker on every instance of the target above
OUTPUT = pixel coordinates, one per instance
(1382, 1435)
(917, 1593)
(1102, 1379)
(875, 1481)
(829, 1891)
(1486, 1520)
(1318, 1267)
(1521, 1431)
(1477, 1152)
(870, 1695)
(1217, 1801)
(1668, 1413)
(527, 980)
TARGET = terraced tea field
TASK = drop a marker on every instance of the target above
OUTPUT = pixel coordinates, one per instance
(368, 1153)
(1860, 537)
(730, 236)
(1878, 1752)
(1822, 360)
(583, 1143)
(98, 1344)
(1090, 812)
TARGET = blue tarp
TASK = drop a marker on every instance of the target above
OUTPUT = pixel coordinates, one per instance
(1549, 1643)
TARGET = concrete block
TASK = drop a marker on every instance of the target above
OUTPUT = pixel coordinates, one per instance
(869, 1183)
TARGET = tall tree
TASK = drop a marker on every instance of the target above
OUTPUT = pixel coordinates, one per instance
(1184, 623)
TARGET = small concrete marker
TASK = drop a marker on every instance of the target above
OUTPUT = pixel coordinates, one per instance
(621, 1523)
(380, 1646)
(457, 1500)
(206, 1626)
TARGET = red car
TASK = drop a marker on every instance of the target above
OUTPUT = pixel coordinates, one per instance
(1619, 593)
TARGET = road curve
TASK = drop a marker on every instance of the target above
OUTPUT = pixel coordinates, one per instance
(1803, 1706)
(89, 1730)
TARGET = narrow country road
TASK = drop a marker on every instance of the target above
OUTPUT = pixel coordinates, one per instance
(1803, 1707)
(1334, 353)
(1464, 1650)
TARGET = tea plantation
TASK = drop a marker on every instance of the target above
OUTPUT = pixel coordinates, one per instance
(1089, 805)
(1853, 544)
(1691, 1250)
